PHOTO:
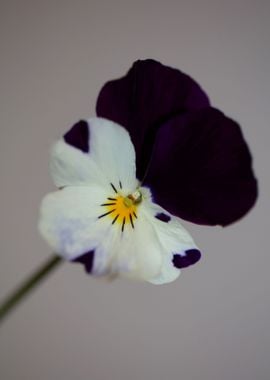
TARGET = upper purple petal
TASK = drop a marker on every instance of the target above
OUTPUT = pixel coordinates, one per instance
(146, 97)
(194, 159)
(201, 168)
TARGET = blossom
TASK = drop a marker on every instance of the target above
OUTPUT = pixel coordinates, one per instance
(157, 152)
(103, 217)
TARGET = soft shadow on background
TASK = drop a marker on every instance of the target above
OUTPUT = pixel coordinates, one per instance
(213, 323)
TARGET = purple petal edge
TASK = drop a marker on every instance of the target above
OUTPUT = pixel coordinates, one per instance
(163, 217)
(78, 136)
(191, 257)
(87, 260)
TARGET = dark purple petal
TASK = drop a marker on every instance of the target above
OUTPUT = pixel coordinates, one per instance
(163, 217)
(78, 136)
(193, 158)
(190, 257)
(146, 97)
(87, 260)
(201, 168)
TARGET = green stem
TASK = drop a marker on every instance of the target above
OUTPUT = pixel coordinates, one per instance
(25, 288)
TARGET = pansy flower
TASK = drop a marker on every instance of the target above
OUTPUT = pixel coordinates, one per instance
(157, 152)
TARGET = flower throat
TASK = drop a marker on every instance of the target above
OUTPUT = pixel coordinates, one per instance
(122, 210)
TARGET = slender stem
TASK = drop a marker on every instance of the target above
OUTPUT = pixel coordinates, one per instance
(25, 288)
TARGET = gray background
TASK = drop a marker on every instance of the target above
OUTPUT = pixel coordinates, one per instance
(213, 323)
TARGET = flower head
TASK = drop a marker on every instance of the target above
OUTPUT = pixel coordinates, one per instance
(103, 217)
(157, 152)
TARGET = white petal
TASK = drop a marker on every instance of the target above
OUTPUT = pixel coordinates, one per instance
(68, 220)
(111, 158)
(71, 225)
(112, 150)
(139, 254)
(70, 166)
(172, 237)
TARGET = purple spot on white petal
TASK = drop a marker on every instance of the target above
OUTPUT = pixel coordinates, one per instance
(78, 136)
(87, 260)
(163, 217)
(190, 257)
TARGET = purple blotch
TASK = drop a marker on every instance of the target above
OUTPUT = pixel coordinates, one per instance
(163, 217)
(190, 257)
(78, 136)
(87, 260)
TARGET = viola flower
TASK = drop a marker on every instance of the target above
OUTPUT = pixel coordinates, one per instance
(157, 152)
(103, 217)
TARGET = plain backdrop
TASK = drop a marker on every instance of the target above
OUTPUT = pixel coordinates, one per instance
(212, 323)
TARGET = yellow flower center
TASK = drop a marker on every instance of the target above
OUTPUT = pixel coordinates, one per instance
(122, 210)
